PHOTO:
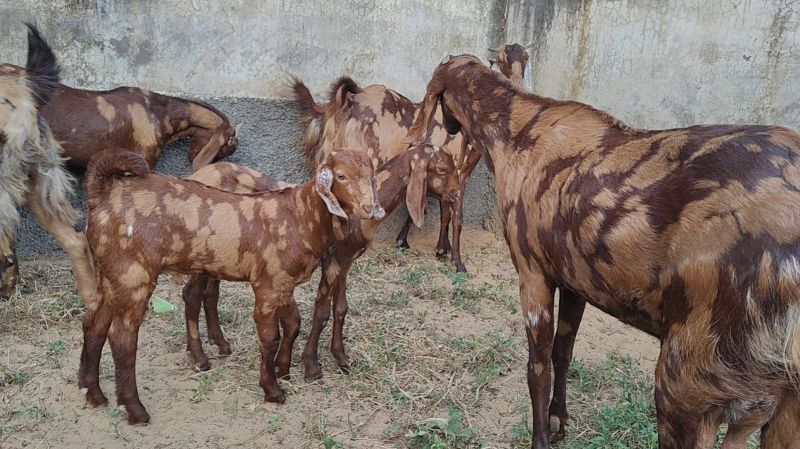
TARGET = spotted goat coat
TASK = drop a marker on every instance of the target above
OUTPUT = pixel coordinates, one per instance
(31, 172)
(691, 235)
(86, 122)
(408, 176)
(142, 223)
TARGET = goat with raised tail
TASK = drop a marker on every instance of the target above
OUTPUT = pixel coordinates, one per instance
(142, 223)
(86, 122)
(691, 235)
(31, 172)
(409, 176)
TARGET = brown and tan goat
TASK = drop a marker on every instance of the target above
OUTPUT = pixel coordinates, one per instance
(87, 122)
(410, 175)
(31, 172)
(691, 235)
(377, 119)
(511, 60)
(141, 223)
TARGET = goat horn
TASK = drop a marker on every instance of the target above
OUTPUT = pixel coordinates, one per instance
(238, 127)
(496, 50)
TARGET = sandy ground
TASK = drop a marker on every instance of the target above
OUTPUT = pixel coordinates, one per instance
(402, 334)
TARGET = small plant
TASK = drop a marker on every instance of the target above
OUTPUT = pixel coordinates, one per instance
(10, 376)
(273, 423)
(491, 355)
(330, 443)
(399, 299)
(54, 350)
(204, 386)
(440, 433)
(522, 434)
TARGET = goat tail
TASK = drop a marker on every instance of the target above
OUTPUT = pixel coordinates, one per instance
(41, 68)
(109, 164)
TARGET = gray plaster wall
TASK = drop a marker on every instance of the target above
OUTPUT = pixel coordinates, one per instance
(652, 63)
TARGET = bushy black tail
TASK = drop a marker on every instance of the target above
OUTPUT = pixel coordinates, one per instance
(42, 67)
(108, 164)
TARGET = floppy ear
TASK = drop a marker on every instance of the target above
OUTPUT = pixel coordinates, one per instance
(324, 182)
(417, 191)
(207, 154)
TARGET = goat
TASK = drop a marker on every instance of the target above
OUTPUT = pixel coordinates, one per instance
(419, 169)
(31, 172)
(141, 223)
(86, 122)
(511, 60)
(377, 119)
(689, 234)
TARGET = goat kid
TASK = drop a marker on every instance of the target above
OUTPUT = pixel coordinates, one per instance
(512, 59)
(411, 176)
(87, 122)
(31, 172)
(141, 223)
(690, 235)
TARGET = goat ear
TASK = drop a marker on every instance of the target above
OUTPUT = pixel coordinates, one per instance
(324, 182)
(207, 154)
(417, 191)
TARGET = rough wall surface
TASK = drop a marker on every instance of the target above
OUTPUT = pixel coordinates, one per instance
(651, 63)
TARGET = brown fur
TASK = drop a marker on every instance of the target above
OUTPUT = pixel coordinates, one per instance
(141, 223)
(86, 122)
(689, 234)
(377, 119)
(31, 172)
(511, 60)
(419, 166)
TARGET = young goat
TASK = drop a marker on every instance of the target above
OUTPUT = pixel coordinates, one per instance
(86, 122)
(691, 235)
(141, 223)
(31, 172)
(410, 176)
(377, 119)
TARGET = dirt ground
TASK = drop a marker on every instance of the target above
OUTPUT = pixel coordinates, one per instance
(422, 341)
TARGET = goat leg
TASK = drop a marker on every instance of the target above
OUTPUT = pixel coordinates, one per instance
(290, 323)
(193, 295)
(443, 245)
(570, 313)
(322, 312)
(267, 326)
(536, 300)
(96, 322)
(402, 237)
(211, 308)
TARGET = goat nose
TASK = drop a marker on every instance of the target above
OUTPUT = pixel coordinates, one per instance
(367, 210)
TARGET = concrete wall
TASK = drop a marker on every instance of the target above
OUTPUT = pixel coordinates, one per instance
(652, 63)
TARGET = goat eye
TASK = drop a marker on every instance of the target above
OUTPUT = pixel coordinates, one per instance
(440, 171)
(341, 177)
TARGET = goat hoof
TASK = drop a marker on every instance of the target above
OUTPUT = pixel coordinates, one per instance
(344, 369)
(202, 366)
(137, 415)
(283, 374)
(95, 398)
(557, 436)
(313, 374)
(224, 349)
(277, 397)
(460, 268)
(441, 254)
(402, 244)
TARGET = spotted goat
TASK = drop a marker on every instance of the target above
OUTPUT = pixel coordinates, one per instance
(377, 119)
(86, 122)
(691, 235)
(141, 223)
(511, 59)
(408, 176)
(31, 172)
